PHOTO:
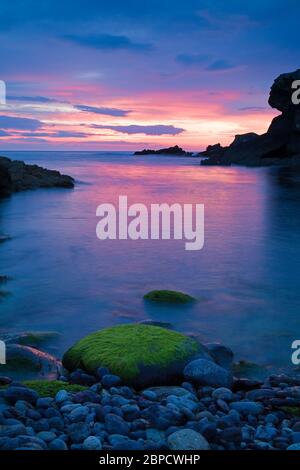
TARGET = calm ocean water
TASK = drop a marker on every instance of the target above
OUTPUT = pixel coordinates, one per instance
(65, 279)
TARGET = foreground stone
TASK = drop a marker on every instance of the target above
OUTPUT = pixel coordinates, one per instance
(142, 355)
(204, 372)
(187, 439)
(183, 417)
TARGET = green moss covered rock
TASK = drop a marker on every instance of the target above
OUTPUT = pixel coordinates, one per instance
(142, 355)
(50, 388)
(169, 296)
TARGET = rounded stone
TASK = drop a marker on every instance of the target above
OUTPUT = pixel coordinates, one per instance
(187, 439)
(92, 443)
(204, 372)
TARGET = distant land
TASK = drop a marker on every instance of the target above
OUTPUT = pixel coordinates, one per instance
(176, 150)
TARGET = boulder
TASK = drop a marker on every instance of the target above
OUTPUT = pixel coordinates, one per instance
(204, 372)
(24, 362)
(141, 355)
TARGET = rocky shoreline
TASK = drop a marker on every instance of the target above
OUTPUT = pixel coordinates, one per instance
(280, 145)
(17, 176)
(208, 409)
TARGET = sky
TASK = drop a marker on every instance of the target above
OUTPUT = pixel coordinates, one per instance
(125, 75)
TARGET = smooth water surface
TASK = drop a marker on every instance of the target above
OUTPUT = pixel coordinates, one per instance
(246, 276)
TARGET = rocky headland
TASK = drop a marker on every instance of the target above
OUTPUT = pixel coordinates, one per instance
(280, 145)
(18, 176)
(176, 150)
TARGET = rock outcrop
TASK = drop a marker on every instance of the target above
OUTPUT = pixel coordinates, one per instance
(18, 176)
(178, 151)
(280, 145)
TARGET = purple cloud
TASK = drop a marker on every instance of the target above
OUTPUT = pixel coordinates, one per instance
(158, 129)
(24, 124)
(102, 110)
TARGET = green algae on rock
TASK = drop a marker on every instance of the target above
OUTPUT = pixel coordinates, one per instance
(169, 296)
(142, 355)
(49, 388)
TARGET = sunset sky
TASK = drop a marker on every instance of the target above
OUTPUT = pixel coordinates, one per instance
(122, 75)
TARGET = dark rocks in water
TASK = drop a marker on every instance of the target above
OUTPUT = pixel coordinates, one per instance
(178, 151)
(169, 297)
(17, 176)
(280, 145)
(29, 338)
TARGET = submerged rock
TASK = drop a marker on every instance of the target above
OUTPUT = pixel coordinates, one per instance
(30, 338)
(169, 296)
(142, 355)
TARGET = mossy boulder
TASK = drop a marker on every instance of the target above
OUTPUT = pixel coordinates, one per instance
(142, 355)
(169, 297)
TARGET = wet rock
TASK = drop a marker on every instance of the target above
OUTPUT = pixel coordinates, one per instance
(13, 394)
(110, 380)
(92, 443)
(187, 439)
(25, 363)
(116, 425)
(247, 407)
(203, 372)
(222, 355)
(58, 444)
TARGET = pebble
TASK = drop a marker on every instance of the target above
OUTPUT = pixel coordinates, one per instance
(92, 443)
(61, 396)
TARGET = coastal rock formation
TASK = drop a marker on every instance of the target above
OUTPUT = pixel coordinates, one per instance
(17, 176)
(280, 145)
(178, 151)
